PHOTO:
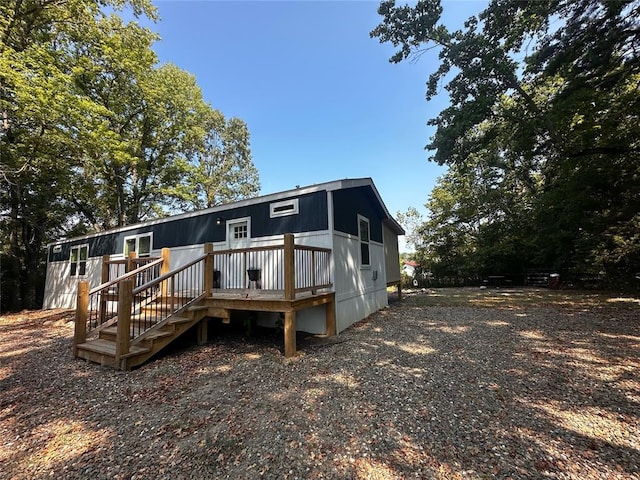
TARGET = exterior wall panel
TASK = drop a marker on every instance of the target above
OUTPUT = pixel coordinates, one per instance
(348, 204)
(391, 256)
(358, 295)
(200, 229)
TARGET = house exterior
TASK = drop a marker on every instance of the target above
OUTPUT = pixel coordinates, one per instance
(346, 216)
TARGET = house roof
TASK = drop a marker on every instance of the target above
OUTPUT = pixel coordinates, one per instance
(326, 186)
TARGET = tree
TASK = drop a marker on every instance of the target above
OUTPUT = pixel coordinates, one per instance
(544, 114)
(39, 108)
(138, 161)
(94, 133)
(224, 171)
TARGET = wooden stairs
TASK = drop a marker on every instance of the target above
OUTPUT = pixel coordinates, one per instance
(164, 330)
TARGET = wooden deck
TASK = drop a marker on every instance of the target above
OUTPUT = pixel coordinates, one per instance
(222, 302)
(137, 322)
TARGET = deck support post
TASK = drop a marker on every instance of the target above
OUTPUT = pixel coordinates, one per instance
(330, 315)
(105, 268)
(208, 269)
(399, 290)
(123, 334)
(203, 327)
(289, 269)
(289, 334)
(82, 314)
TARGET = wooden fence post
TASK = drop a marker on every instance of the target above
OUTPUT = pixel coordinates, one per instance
(125, 300)
(105, 268)
(207, 282)
(82, 314)
(289, 268)
(104, 279)
(164, 268)
(132, 256)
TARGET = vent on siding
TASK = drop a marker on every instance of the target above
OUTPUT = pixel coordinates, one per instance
(284, 208)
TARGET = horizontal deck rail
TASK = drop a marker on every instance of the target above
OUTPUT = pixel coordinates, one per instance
(115, 269)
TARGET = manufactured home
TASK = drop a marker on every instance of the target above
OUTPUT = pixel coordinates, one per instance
(318, 258)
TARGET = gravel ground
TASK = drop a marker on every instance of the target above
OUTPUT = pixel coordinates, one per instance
(445, 384)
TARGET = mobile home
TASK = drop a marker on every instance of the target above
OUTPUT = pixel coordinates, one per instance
(345, 239)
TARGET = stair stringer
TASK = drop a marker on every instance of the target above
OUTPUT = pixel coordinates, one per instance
(175, 324)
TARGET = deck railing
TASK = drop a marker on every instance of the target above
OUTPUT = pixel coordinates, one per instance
(148, 295)
(115, 269)
(313, 268)
(98, 308)
(166, 295)
(267, 268)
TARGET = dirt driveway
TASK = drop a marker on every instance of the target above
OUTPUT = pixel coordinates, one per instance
(445, 384)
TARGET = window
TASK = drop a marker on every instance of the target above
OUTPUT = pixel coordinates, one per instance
(78, 260)
(141, 244)
(363, 228)
(240, 231)
(284, 208)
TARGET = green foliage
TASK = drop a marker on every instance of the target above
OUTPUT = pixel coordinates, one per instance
(95, 134)
(540, 137)
(224, 171)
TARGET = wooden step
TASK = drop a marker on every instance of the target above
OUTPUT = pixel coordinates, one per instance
(177, 320)
(138, 319)
(155, 334)
(105, 347)
(104, 352)
(159, 308)
(110, 333)
(198, 308)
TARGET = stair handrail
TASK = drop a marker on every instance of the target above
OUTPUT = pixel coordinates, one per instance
(165, 296)
(92, 307)
(167, 275)
(126, 276)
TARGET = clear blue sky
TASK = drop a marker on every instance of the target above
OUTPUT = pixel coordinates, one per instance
(320, 98)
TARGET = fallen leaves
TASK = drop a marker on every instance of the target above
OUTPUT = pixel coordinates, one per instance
(524, 386)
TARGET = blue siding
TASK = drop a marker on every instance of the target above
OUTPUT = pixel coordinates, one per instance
(351, 202)
(202, 228)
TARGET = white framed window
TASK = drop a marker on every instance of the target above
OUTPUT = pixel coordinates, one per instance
(364, 234)
(78, 260)
(141, 244)
(284, 208)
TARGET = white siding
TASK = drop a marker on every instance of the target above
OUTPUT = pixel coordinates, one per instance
(60, 289)
(358, 294)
